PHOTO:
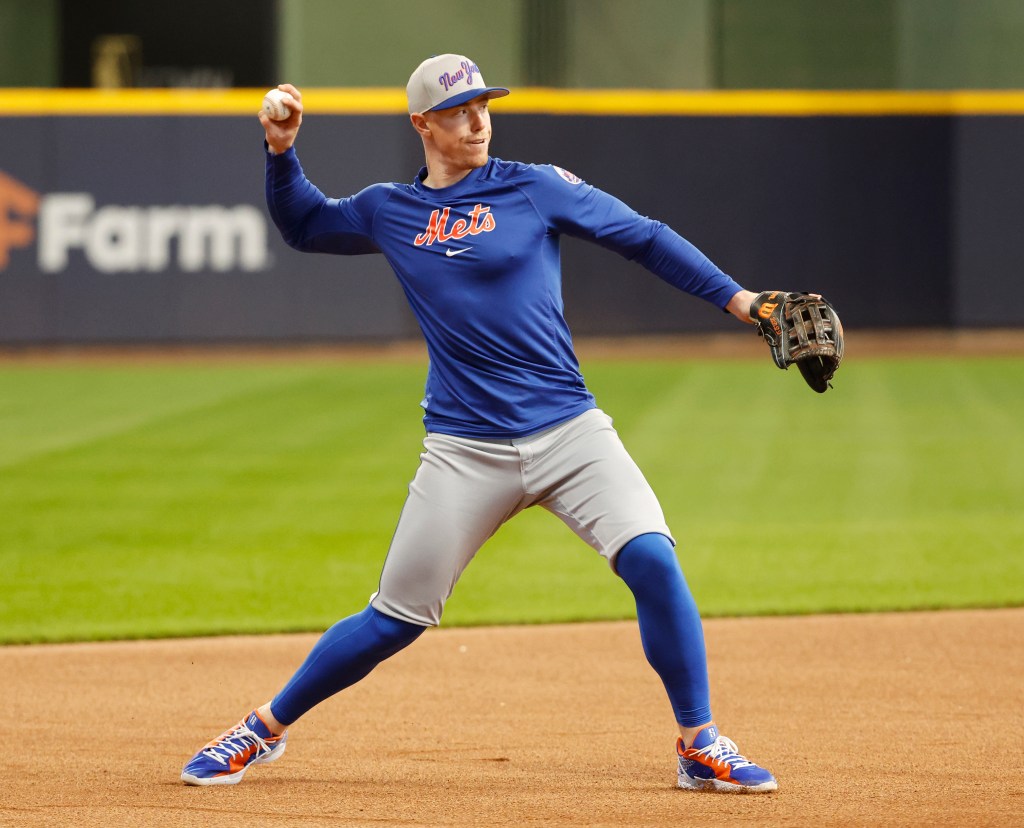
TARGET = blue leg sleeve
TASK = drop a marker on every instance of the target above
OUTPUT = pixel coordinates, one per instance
(346, 653)
(670, 626)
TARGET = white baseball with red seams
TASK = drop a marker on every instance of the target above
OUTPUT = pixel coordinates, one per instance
(274, 105)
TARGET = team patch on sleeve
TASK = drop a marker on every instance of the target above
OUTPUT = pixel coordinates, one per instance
(568, 176)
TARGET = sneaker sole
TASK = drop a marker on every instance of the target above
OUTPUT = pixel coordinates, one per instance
(234, 778)
(718, 786)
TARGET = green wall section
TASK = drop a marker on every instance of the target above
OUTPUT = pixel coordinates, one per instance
(869, 44)
(806, 44)
(645, 44)
(332, 43)
(948, 44)
(681, 44)
(29, 39)
(585, 43)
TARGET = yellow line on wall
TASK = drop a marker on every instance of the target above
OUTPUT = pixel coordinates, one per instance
(391, 101)
(781, 102)
(193, 101)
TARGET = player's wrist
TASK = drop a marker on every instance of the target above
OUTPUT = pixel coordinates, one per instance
(739, 305)
(278, 149)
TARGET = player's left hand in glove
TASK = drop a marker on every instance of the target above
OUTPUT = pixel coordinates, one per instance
(801, 328)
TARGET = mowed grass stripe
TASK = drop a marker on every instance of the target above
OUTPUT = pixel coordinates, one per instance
(46, 409)
(190, 521)
(177, 499)
(895, 494)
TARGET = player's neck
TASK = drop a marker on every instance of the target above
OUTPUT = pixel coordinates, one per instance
(441, 174)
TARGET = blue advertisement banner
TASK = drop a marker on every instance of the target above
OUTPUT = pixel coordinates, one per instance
(154, 229)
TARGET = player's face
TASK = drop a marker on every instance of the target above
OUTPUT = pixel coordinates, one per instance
(462, 134)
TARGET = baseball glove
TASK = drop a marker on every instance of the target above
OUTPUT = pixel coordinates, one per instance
(800, 328)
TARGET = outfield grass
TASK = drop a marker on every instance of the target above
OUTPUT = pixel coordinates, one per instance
(179, 499)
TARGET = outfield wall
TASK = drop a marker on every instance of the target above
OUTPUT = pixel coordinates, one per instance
(117, 226)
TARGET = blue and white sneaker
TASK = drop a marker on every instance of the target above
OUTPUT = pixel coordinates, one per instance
(225, 760)
(712, 763)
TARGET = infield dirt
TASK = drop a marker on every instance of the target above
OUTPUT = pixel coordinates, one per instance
(889, 719)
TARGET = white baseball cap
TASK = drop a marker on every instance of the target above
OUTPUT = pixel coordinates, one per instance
(444, 81)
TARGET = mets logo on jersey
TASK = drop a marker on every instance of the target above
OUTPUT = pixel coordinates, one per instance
(480, 221)
(568, 176)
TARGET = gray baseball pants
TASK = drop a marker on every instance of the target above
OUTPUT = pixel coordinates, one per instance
(465, 489)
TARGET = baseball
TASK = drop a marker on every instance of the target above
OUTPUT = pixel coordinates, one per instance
(274, 106)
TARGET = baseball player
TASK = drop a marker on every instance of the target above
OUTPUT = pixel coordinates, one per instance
(510, 424)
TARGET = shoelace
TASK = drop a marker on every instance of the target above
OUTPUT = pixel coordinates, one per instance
(725, 750)
(234, 743)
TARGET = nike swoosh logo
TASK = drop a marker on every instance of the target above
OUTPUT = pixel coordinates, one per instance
(450, 253)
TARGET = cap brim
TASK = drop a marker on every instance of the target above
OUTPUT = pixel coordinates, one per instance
(470, 94)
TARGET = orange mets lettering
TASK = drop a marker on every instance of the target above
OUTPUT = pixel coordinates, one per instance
(18, 204)
(480, 221)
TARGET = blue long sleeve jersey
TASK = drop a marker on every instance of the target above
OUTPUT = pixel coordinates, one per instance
(479, 262)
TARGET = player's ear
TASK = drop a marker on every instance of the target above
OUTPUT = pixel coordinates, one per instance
(420, 123)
